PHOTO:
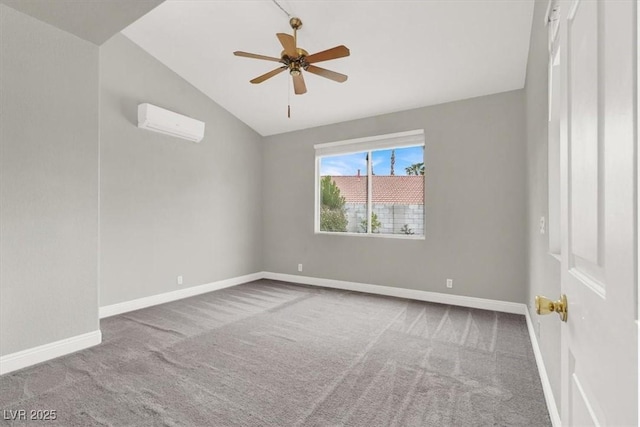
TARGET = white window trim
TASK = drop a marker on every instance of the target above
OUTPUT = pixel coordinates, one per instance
(368, 144)
(371, 143)
(374, 235)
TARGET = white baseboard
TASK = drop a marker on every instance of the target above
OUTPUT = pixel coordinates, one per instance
(137, 304)
(544, 378)
(482, 303)
(464, 301)
(42, 353)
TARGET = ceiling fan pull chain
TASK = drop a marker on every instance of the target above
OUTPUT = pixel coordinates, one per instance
(288, 99)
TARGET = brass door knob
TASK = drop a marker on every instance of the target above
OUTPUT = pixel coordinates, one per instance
(545, 306)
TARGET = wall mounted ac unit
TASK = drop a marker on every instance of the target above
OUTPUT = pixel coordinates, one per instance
(167, 122)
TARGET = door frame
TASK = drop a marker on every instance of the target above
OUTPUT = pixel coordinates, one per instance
(637, 172)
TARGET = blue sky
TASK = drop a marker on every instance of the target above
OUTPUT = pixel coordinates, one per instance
(348, 164)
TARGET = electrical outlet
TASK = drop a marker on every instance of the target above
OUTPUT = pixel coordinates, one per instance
(538, 329)
(449, 283)
(542, 225)
(179, 280)
(299, 267)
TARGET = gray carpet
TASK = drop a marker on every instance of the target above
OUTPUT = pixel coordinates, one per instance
(274, 354)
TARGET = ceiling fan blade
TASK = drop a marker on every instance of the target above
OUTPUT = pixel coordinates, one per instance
(289, 44)
(255, 56)
(268, 75)
(331, 75)
(333, 53)
(298, 85)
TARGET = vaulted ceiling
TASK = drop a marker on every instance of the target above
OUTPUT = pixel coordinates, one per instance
(404, 54)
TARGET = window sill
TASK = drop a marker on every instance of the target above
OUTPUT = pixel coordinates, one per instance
(374, 235)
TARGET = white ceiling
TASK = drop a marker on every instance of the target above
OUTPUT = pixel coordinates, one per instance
(404, 54)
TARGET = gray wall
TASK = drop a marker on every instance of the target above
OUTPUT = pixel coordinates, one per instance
(48, 183)
(171, 207)
(474, 207)
(544, 270)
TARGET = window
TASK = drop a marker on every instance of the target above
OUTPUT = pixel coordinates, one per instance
(371, 186)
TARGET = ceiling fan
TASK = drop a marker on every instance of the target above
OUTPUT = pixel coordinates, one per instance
(296, 59)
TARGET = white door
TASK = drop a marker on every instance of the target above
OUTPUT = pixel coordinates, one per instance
(598, 54)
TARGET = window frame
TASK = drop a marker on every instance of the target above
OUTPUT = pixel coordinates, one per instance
(412, 138)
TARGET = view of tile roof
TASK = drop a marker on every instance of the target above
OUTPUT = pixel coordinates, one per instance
(392, 190)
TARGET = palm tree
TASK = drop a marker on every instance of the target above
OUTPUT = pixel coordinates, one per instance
(415, 169)
(393, 162)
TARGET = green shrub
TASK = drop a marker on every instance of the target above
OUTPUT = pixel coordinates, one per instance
(333, 220)
(406, 230)
(333, 216)
(330, 193)
(375, 224)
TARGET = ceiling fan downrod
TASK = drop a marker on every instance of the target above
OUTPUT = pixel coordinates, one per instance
(295, 23)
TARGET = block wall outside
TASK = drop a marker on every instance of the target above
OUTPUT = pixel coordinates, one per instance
(391, 217)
